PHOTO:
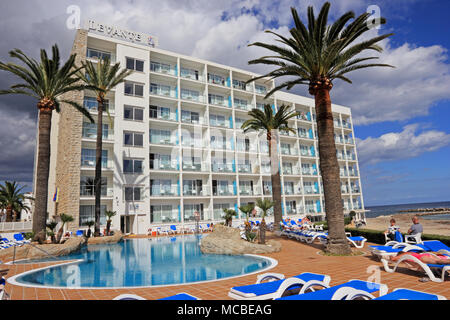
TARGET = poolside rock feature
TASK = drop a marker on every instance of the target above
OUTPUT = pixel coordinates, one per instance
(117, 237)
(226, 240)
(43, 251)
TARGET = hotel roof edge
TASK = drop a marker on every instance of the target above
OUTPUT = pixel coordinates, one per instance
(280, 95)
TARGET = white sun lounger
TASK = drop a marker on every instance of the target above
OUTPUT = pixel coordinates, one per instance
(427, 268)
(276, 289)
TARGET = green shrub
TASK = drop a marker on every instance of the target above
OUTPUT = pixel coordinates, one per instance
(28, 235)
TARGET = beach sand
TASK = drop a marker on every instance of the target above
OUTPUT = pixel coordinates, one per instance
(438, 227)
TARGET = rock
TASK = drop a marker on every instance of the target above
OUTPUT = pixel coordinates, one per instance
(42, 251)
(117, 237)
(226, 240)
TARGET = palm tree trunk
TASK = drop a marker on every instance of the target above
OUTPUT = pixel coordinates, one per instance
(9, 217)
(272, 139)
(262, 232)
(98, 168)
(42, 172)
(329, 168)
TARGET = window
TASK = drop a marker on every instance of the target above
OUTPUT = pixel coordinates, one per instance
(134, 64)
(133, 193)
(216, 79)
(87, 213)
(133, 113)
(189, 73)
(190, 95)
(163, 213)
(88, 158)
(133, 139)
(217, 120)
(190, 116)
(87, 186)
(134, 89)
(160, 113)
(98, 54)
(132, 166)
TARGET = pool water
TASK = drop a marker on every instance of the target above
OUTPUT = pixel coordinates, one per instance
(143, 262)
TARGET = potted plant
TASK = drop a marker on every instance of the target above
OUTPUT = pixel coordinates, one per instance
(65, 218)
(89, 224)
(229, 214)
(52, 225)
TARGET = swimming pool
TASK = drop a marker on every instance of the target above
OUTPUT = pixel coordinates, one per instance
(142, 263)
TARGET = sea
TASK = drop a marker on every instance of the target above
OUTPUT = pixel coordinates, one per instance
(376, 211)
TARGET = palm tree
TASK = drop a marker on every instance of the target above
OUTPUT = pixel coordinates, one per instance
(229, 214)
(247, 209)
(271, 123)
(265, 205)
(89, 224)
(109, 215)
(65, 218)
(12, 200)
(52, 225)
(47, 82)
(316, 56)
(103, 77)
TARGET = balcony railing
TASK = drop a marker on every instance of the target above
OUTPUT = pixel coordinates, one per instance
(289, 152)
(197, 167)
(309, 172)
(162, 140)
(204, 192)
(92, 106)
(89, 162)
(222, 168)
(164, 191)
(163, 91)
(223, 192)
(91, 133)
(245, 168)
(162, 68)
(243, 106)
(310, 190)
(89, 191)
(192, 97)
(164, 166)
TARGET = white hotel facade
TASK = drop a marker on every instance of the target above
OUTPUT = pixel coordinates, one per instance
(173, 144)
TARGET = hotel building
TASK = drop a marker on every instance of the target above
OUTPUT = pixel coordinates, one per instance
(173, 144)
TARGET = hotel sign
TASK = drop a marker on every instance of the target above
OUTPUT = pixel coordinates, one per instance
(121, 33)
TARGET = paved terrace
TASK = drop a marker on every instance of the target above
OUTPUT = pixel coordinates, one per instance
(294, 258)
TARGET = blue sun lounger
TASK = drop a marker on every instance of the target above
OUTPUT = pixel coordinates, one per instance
(345, 291)
(181, 296)
(407, 294)
(275, 289)
(436, 246)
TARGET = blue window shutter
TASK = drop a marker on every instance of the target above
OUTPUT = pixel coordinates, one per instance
(176, 92)
(231, 122)
(311, 134)
(234, 188)
(176, 114)
(308, 116)
(228, 82)
(316, 186)
(314, 168)
(313, 152)
(230, 104)
(232, 143)
(176, 69)
(318, 207)
(236, 208)
(178, 141)
(178, 162)
(178, 187)
(234, 167)
(179, 213)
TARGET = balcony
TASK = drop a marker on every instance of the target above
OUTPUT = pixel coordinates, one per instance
(95, 55)
(242, 147)
(290, 171)
(217, 80)
(163, 68)
(163, 166)
(89, 162)
(241, 85)
(310, 190)
(223, 192)
(196, 167)
(193, 96)
(163, 91)
(242, 105)
(309, 172)
(289, 152)
(164, 191)
(91, 104)
(349, 141)
(191, 74)
(162, 114)
(89, 192)
(244, 168)
(259, 89)
(192, 143)
(247, 192)
(217, 100)
(222, 168)
(220, 123)
(91, 133)
(307, 153)
(162, 139)
(203, 192)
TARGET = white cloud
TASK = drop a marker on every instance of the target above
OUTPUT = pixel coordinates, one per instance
(401, 145)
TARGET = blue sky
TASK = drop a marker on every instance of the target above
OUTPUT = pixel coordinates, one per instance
(401, 116)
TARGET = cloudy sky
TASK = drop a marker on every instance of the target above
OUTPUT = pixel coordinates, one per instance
(401, 116)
